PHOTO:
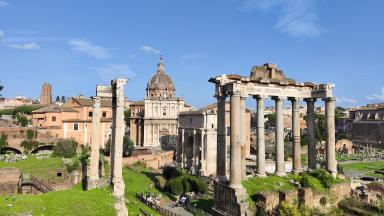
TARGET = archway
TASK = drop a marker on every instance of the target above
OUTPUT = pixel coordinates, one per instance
(10, 149)
(42, 148)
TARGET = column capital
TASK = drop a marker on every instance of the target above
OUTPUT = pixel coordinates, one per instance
(310, 100)
(260, 97)
(329, 99)
(277, 98)
(119, 81)
(292, 99)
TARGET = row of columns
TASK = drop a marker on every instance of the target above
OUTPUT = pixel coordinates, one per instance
(237, 159)
(198, 151)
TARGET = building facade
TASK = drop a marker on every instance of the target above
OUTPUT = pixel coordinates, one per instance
(73, 120)
(367, 125)
(197, 140)
(153, 122)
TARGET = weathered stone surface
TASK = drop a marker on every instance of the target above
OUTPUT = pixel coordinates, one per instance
(10, 180)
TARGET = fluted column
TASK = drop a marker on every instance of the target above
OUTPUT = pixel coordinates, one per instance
(311, 133)
(243, 137)
(118, 97)
(279, 135)
(296, 136)
(221, 138)
(95, 145)
(235, 164)
(260, 170)
(330, 144)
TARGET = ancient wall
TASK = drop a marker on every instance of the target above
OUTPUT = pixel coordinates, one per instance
(368, 132)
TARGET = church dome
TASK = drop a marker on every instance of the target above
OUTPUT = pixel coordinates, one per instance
(160, 85)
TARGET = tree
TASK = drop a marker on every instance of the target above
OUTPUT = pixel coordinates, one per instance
(28, 145)
(62, 99)
(127, 146)
(57, 98)
(30, 134)
(271, 119)
(3, 141)
(65, 148)
(23, 121)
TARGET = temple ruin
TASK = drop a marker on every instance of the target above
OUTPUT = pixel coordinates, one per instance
(265, 81)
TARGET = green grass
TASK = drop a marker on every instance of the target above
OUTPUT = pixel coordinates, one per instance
(366, 168)
(138, 180)
(270, 183)
(68, 202)
(45, 169)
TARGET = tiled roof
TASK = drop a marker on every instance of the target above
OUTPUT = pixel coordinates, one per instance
(54, 109)
(88, 102)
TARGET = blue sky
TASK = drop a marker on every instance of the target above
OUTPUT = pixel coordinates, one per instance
(75, 45)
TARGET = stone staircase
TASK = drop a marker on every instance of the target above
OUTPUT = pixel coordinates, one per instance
(29, 184)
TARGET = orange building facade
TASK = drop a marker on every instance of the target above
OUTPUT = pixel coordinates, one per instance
(73, 120)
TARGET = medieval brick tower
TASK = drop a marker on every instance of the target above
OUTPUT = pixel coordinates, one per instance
(46, 94)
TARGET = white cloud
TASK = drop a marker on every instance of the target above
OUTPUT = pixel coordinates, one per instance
(379, 96)
(346, 100)
(295, 17)
(150, 50)
(113, 71)
(3, 3)
(26, 46)
(89, 49)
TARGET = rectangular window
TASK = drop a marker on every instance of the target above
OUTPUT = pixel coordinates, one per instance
(53, 118)
(104, 114)
(90, 114)
(164, 112)
(75, 126)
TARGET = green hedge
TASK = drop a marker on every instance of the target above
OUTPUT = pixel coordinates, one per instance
(65, 148)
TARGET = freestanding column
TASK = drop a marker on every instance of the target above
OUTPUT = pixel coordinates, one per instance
(296, 136)
(182, 148)
(330, 120)
(118, 102)
(194, 149)
(279, 134)
(203, 166)
(243, 137)
(235, 165)
(311, 133)
(260, 171)
(221, 138)
(95, 145)
(113, 137)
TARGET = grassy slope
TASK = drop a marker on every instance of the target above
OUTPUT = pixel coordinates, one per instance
(41, 169)
(67, 202)
(137, 182)
(366, 168)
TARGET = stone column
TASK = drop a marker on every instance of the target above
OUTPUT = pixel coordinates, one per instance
(311, 133)
(182, 153)
(118, 102)
(243, 137)
(221, 139)
(235, 164)
(260, 171)
(95, 145)
(330, 144)
(296, 166)
(279, 135)
(202, 150)
(194, 150)
(113, 137)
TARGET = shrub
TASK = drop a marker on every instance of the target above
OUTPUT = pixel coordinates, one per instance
(325, 178)
(175, 186)
(65, 148)
(23, 121)
(285, 209)
(30, 134)
(75, 165)
(170, 172)
(28, 145)
(3, 141)
(304, 182)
